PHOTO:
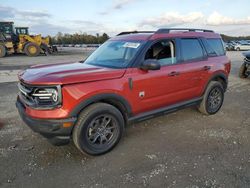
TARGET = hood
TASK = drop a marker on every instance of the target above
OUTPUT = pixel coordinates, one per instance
(67, 73)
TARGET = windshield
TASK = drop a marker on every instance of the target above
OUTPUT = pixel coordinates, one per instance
(114, 54)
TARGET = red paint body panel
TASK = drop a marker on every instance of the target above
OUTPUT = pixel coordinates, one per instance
(160, 89)
(67, 73)
(81, 81)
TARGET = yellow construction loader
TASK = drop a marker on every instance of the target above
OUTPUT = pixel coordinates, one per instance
(19, 41)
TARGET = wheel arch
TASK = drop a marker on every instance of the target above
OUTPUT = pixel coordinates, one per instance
(113, 99)
(220, 77)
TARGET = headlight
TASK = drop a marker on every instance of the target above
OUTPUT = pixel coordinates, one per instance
(46, 95)
(41, 97)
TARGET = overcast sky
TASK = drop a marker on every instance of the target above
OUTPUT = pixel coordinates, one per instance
(113, 16)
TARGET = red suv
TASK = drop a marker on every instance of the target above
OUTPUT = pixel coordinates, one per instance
(131, 77)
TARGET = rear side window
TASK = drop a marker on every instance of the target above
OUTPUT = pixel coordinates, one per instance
(191, 49)
(214, 47)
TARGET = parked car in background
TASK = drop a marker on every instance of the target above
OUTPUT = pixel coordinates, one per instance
(242, 46)
(245, 67)
(229, 46)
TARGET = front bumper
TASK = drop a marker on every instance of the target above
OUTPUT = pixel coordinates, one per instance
(52, 129)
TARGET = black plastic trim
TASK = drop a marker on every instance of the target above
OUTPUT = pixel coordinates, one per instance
(100, 97)
(164, 110)
(167, 30)
(51, 129)
(217, 75)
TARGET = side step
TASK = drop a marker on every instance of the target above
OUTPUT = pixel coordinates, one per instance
(164, 110)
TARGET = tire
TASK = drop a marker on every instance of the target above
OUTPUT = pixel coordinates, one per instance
(46, 49)
(242, 71)
(32, 49)
(90, 131)
(210, 104)
(238, 49)
(2, 50)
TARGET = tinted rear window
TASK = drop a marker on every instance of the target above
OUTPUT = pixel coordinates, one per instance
(215, 46)
(191, 49)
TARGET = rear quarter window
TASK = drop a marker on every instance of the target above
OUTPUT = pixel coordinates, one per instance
(214, 47)
(191, 49)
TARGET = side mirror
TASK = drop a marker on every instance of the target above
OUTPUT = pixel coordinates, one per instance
(150, 64)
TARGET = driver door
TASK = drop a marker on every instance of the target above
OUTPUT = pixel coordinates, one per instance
(153, 89)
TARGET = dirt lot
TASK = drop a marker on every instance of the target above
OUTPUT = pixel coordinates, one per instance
(182, 149)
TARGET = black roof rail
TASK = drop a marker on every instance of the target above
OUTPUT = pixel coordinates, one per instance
(167, 30)
(134, 32)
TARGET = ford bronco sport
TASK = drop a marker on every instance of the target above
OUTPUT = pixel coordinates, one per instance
(131, 77)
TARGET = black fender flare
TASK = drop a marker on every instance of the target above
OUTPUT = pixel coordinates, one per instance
(103, 97)
(215, 76)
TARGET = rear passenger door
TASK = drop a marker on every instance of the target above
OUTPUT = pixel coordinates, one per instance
(194, 67)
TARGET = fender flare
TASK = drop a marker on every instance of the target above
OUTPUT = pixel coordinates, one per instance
(220, 75)
(102, 97)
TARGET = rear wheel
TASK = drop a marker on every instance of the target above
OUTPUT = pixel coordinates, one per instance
(238, 49)
(98, 129)
(2, 50)
(32, 49)
(212, 99)
(242, 71)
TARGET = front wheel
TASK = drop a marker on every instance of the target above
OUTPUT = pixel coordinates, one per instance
(212, 99)
(98, 129)
(32, 49)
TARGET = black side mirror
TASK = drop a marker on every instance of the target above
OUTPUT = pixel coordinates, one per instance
(150, 64)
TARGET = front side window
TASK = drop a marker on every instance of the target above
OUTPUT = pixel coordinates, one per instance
(163, 51)
(191, 49)
(114, 54)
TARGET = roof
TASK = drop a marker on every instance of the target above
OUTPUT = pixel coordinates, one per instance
(166, 33)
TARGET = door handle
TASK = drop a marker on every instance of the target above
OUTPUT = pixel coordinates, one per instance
(206, 68)
(174, 73)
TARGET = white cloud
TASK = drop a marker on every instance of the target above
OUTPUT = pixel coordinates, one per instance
(172, 19)
(216, 19)
(11, 13)
(32, 14)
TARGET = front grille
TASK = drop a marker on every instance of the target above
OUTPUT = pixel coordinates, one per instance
(25, 93)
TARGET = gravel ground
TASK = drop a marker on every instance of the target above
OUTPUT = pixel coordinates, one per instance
(182, 149)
